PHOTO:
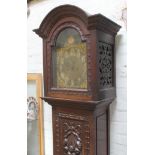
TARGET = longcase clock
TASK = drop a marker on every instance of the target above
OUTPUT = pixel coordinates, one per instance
(79, 78)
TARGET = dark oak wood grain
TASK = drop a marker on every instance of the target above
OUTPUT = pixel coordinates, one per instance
(80, 116)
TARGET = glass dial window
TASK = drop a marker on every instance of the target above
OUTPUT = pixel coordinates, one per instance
(69, 61)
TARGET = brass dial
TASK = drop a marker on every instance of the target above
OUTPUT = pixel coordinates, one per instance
(72, 66)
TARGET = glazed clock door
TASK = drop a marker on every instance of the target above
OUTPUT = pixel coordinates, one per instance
(69, 61)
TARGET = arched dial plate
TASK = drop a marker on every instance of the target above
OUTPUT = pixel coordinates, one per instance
(69, 61)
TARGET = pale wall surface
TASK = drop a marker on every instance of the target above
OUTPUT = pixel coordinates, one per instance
(118, 110)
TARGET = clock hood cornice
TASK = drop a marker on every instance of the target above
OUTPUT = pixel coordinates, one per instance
(97, 21)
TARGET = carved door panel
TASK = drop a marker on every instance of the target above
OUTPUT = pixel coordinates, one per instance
(72, 134)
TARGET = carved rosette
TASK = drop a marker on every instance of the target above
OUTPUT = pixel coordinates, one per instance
(71, 129)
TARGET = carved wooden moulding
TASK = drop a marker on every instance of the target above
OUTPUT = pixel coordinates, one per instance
(79, 78)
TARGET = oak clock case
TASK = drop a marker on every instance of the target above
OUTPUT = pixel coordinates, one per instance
(79, 78)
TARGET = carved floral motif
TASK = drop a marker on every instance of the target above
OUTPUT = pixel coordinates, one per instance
(71, 128)
(72, 140)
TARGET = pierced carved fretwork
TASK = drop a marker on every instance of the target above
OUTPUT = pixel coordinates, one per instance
(105, 65)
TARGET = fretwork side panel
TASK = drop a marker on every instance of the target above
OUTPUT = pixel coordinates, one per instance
(105, 65)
